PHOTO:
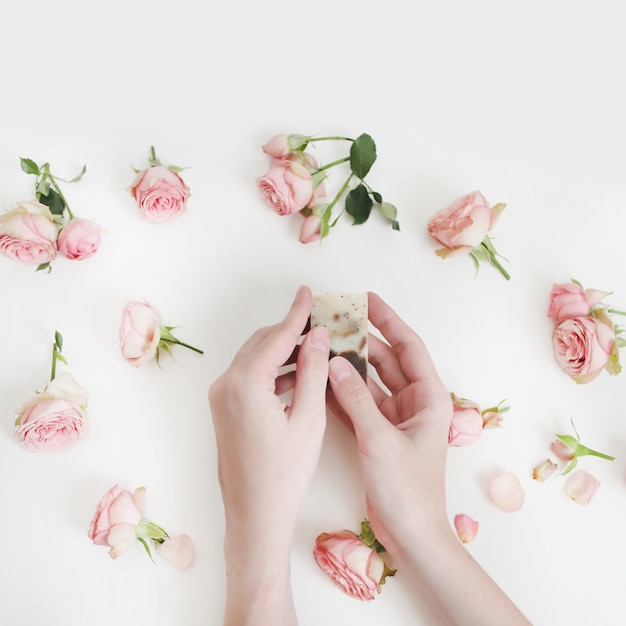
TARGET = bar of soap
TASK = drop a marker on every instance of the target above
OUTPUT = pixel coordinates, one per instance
(345, 317)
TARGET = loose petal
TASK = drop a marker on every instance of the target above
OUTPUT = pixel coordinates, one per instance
(507, 492)
(466, 527)
(544, 470)
(581, 486)
(177, 550)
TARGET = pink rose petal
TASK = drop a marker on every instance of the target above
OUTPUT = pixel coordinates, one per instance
(466, 527)
(507, 492)
(581, 486)
(544, 470)
(177, 550)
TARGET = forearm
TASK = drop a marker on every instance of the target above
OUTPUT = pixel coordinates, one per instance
(453, 587)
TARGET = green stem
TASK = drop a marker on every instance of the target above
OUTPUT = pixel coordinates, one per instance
(584, 451)
(616, 312)
(330, 207)
(182, 343)
(54, 363)
(494, 261)
(313, 140)
(329, 165)
(58, 190)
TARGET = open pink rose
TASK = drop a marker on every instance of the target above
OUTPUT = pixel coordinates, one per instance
(79, 239)
(116, 519)
(467, 422)
(160, 193)
(140, 332)
(287, 187)
(463, 225)
(569, 300)
(310, 230)
(28, 233)
(356, 568)
(55, 419)
(582, 347)
(177, 550)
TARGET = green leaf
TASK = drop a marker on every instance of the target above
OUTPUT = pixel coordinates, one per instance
(29, 166)
(359, 204)
(58, 340)
(377, 197)
(362, 155)
(44, 266)
(53, 201)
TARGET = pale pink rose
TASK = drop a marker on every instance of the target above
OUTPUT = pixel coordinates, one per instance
(160, 193)
(287, 187)
(277, 147)
(115, 521)
(310, 230)
(582, 347)
(544, 470)
(569, 300)
(466, 527)
(467, 422)
(492, 419)
(356, 568)
(462, 226)
(79, 239)
(28, 233)
(581, 486)
(177, 550)
(507, 492)
(561, 451)
(140, 332)
(55, 419)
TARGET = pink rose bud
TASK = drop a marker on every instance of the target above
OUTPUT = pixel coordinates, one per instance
(544, 470)
(507, 492)
(463, 225)
(561, 451)
(354, 567)
(582, 347)
(116, 519)
(160, 193)
(28, 233)
(581, 487)
(277, 147)
(287, 187)
(466, 527)
(491, 419)
(310, 230)
(140, 332)
(55, 419)
(79, 239)
(467, 422)
(177, 550)
(568, 300)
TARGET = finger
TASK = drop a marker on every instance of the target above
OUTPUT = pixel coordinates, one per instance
(309, 396)
(285, 383)
(386, 362)
(355, 399)
(412, 353)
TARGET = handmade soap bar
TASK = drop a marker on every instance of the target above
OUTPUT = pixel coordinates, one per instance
(345, 317)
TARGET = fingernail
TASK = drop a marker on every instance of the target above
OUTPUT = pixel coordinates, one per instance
(319, 338)
(339, 369)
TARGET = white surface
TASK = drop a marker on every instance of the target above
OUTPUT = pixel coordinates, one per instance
(524, 102)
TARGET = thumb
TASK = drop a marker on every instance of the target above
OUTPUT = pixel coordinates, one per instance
(355, 398)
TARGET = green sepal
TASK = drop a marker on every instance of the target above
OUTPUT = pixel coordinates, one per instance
(44, 266)
(29, 166)
(368, 538)
(362, 155)
(144, 543)
(77, 178)
(613, 366)
(359, 204)
(58, 340)
(298, 143)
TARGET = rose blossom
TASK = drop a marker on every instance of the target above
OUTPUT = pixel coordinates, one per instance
(463, 225)
(569, 300)
(55, 419)
(310, 230)
(115, 521)
(140, 332)
(160, 193)
(467, 422)
(277, 147)
(582, 347)
(79, 239)
(356, 568)
(28, 233)
(287, 187)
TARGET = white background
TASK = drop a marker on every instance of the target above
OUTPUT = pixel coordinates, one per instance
(522, 101)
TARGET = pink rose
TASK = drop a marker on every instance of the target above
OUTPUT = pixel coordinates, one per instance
(286, 187)
(277, 147)
(116, 519)
(160, 193)
(28, 233)
(463, 225)
(568, 300)
(310, 230)
(582, 347)
(55, 419)
(79, 239)
(140, 332)
(351, 565)
(467, 422)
